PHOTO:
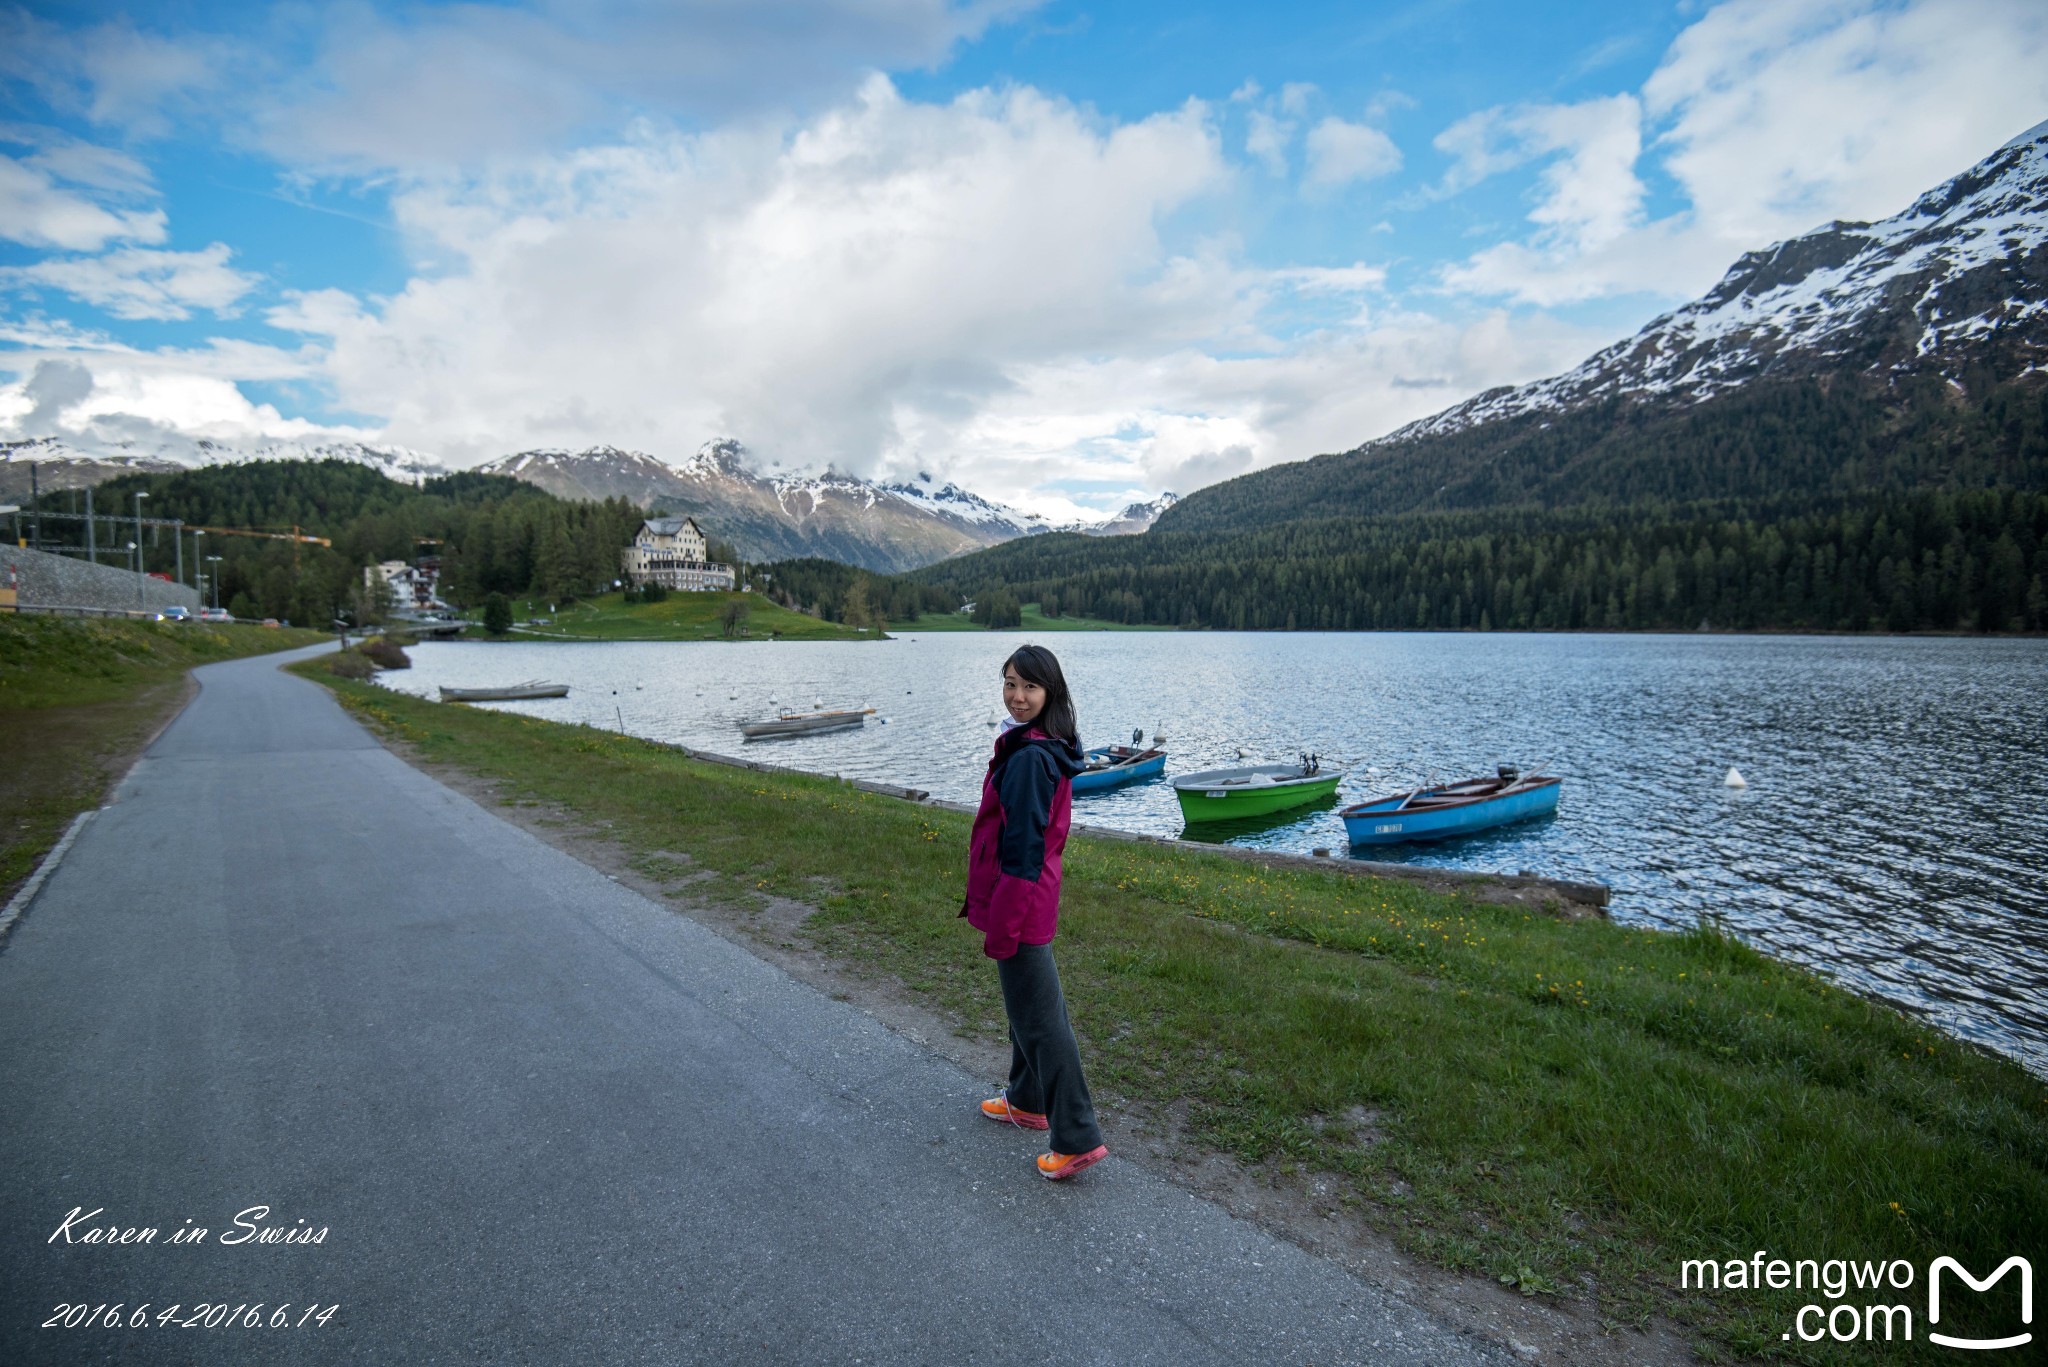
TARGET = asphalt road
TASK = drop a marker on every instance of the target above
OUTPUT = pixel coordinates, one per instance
(540, 1118)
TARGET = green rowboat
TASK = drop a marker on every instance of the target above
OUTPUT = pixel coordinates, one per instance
(1254, 790)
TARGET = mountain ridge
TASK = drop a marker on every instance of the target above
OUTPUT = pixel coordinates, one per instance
(1842, 343)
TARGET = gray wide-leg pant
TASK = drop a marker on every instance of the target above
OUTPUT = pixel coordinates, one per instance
(1045, 1062)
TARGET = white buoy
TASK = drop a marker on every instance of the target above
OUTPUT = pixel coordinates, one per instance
(1735, 779)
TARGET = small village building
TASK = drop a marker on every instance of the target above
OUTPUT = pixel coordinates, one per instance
(412, 587)
(671, 551)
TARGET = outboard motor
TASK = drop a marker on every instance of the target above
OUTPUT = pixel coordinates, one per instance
(1138, 736)
(1508, 773)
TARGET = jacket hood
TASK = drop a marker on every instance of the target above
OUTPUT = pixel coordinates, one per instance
(1065, 755)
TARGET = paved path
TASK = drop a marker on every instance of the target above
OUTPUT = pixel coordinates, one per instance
(541, 1118)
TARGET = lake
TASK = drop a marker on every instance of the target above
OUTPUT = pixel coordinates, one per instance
(1894, 833)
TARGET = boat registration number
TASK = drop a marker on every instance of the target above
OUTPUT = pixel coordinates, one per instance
(1215, 794)
(1392, 828)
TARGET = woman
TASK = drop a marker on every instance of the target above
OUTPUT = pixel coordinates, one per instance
(1013, 899)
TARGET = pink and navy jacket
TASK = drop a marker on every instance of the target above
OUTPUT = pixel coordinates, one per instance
(1013, 857)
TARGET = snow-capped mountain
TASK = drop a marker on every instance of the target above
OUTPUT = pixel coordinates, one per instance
(1136, 518)
(888, 527)
(1860, 355)
(1959, 272)
(63, 463)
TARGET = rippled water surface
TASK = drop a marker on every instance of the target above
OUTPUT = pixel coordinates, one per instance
(1894, 833)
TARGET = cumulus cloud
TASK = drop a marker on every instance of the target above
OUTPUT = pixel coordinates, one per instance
(821, 294)
(1341, 152)
(1771, 117)
(138, 282)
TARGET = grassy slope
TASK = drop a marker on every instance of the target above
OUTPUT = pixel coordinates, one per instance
(77, 695)
(679, 617)
(1576, 1107)
(1034, 621)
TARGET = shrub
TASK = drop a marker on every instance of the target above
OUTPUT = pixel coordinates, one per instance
(385, 654)
(351, 664)
(497, 614)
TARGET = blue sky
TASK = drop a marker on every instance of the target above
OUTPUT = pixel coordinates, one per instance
(1068, 254)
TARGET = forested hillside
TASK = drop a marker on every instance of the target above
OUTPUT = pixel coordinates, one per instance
(1937, 561)
(1831, 437)
(494, 534)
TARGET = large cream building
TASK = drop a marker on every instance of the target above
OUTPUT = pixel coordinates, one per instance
(670, 551)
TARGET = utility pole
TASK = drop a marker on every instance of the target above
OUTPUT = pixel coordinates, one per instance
(178, 540)
(199, 560)
(35, 505)
(92, 529)
(139, 496)
(214, 578)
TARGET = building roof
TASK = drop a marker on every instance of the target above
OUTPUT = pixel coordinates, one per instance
(669, 526)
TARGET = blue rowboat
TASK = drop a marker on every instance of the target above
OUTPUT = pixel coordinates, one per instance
(1112, 765)
(1453, 809)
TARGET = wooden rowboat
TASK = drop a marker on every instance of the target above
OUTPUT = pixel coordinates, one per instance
(805, 723)
(1452, 809)
(519, 692)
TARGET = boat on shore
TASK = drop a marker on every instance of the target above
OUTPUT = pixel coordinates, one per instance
(1253, 789)
(805, 723)
(1112, 766)
(519, 692)
(1452, 809)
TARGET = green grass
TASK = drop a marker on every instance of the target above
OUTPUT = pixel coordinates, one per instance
(77, 696)
(1572, 1106)
(1033, 621)
(679, 617)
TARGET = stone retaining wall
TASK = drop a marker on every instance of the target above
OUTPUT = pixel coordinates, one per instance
(60, 581)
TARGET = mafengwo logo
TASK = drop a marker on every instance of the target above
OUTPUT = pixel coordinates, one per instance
(2026, 1270)
(1866, 1319)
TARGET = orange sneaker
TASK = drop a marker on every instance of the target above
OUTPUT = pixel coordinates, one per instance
(999, 1108)
(1056, 1166)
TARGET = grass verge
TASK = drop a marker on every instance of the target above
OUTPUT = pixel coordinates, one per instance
(679, 617)
(1569, 1107)
(77, 697)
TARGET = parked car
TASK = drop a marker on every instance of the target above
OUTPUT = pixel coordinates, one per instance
(215, 615)
(176, 612)
(270, 622)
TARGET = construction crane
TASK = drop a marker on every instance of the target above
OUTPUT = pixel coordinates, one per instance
(293, 535)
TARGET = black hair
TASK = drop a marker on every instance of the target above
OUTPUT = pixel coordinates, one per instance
(1036, 664)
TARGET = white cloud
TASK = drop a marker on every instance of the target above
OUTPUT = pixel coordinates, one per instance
(1775, 116)
(114, 74)
(37, 212)
(1783, 116)
(137, 282)
(446, 87)
(889, 262)
(101, 396)
(1341, 152)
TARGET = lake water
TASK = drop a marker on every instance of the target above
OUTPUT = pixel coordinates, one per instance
(1894, 833)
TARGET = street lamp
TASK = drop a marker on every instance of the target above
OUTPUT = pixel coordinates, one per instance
(214, 579)
(135, 562)
(198, 558)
